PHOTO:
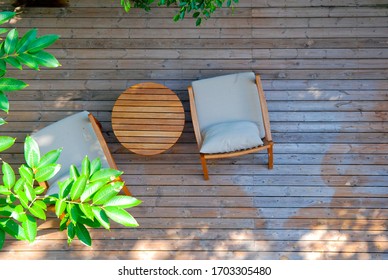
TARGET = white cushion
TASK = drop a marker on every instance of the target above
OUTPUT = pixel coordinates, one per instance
(230, 137)
(228, 98)
(76, 136)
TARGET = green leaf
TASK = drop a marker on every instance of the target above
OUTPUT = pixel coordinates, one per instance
(60, 206)
(23, 198)
(40, 204)
(3, 30)
(3, 67)
(65, 188)
(74, 173)
(74, 212)
(30, 227)
(83, 234)
(176, 17)
(2, 237)
(25, 41)
(95, 165)
(45, 173)
(101, 216)
(123, 201)
(78, 187)
(91, 189)
(4, 103)
(63, 222)
(31, 152)
(88, 222)
(10, 199)
(11, 84)
(13, 229)
(37, 212)
(120, 216)
(29, 191)
(28, 60)
(6, 16)
(45, 59)
(107, 174)
(70, 233)
(40, 190)
(107, 192)
(6, 211)
(126, 5)
(19, 214)
(50, 158)
(14, 62)
(9, 178)
(3, 201)
(26, 173)
(2, 121)
(11, 41)
(5, 190)
(87, 210)
(6, 142)
(85, 170)
(42, 43)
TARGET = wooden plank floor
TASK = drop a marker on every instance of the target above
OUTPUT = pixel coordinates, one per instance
(324, 71)
(321, 201)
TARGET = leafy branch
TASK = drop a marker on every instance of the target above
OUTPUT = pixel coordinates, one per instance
(89, 197)
(199, 9)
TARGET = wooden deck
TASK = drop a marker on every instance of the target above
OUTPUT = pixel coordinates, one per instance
(324, 70)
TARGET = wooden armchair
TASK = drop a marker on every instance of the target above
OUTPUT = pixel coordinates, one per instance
(79, 135)
(230, 117)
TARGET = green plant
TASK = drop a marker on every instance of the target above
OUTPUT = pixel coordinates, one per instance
(89, 197)
(200, 9)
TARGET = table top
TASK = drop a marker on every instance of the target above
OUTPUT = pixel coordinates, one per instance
(148, 118)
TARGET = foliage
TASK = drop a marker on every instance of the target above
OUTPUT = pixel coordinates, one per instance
(26, 51)
(200, 9)
(89, 197)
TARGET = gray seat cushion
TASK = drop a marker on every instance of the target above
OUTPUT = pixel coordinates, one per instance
(228, 98)
(230, 136)
(76, 136)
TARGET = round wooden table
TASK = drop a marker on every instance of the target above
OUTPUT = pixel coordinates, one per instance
(148, 118)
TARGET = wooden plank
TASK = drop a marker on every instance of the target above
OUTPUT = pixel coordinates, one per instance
(276, 95)
(233, 64)
(187, 74)
(264, 202)
(320, 12)
(229, 43)
(141, 23)
(184, 255)
(333, 246)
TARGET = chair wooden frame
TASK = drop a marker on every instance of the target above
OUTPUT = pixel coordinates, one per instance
(96, 125)
(97, 129)
(268, 143)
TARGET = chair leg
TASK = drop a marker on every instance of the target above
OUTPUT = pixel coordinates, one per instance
(126, 191)
(270, 157)
(204, 167)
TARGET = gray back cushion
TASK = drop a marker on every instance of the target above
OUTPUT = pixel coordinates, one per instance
(76, 136)
(228, 98)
